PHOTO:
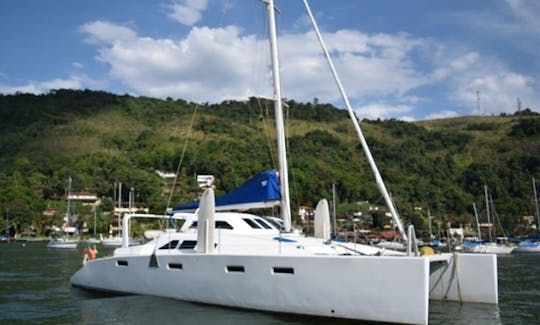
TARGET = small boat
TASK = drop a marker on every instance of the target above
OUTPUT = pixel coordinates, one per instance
(62, 240)
(531, 245)
(488, 246)
(117, 241)
(527, 246)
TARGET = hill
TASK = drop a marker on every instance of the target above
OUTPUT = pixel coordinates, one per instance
(99, 138)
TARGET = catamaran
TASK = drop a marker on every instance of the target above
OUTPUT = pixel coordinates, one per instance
(248, 261)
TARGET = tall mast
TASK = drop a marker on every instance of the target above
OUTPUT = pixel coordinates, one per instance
(487, 212)
(536, 204)
(280, 129)
(68, 210)
(477, 222)
(367, 152)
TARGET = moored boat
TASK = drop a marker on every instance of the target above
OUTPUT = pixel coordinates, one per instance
(241, 260)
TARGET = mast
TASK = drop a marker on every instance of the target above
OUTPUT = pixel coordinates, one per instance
(120, 205)
(68, 210)
(367, 152)
(487, 212)
(280, 129)
(477, 222)
(429, 224)
(536, 204)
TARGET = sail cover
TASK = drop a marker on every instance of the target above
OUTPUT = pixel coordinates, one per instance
(262, 191)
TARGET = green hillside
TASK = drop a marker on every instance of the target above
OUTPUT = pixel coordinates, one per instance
(99, 139)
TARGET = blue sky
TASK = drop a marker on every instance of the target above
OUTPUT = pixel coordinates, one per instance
(411, 60)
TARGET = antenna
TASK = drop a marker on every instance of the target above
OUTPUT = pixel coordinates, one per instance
(519, 105)
(478, 102)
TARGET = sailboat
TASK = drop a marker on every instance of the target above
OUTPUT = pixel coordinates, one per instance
(531, 246)
(116, 239)
(247, 261)
(62, 240)
(488, 246)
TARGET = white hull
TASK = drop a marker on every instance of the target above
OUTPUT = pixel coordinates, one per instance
(489, 248)
(312, 281)
(117, 242)
(527, 249)
(63, 243)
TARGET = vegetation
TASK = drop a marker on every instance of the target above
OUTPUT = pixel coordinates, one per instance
(99, 138)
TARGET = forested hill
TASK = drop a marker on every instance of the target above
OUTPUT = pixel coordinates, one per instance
(99, 138)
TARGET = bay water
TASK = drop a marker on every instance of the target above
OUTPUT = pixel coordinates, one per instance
(35, 289)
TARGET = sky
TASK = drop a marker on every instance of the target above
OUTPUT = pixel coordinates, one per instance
(403, 59)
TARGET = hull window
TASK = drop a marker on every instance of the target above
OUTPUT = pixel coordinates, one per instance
(121, 263)
(175, 266)
(283, 270)
(235, 269)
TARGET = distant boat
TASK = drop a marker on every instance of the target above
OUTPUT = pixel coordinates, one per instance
(62, 240)
(487, 247)
(531, 246)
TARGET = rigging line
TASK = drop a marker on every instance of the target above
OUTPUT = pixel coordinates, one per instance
(290, 158)
(181, 157)
(264, 115)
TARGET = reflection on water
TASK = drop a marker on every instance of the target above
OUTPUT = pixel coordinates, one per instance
(456, 313)
(34, 288)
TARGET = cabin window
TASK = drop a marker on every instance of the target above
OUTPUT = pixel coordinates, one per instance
(235, 269)
(283, 270)
(251, 223)
(121, 263)
(223, 225)
(263, 223)
(170, 245)
(175, 266)
(218, 225)
(273, 223)
(188, 244)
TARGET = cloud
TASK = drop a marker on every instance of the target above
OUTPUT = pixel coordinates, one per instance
(42, 87)
(188, 12)
(441, 115)
(383, 111)
(498, 91)
(106, 32)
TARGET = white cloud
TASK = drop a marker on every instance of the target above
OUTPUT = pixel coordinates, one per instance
(441, 114)
(106, 32)
(499, 90)
(383, 111)
(42, 87)
(188, 12)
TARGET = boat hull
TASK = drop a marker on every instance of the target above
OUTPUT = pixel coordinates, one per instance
(63, 244)
(371, 287)
(489, 248)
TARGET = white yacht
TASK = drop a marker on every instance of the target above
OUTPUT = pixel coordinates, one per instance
(243, 260)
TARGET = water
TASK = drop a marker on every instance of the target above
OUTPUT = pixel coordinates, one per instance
(35, 289)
